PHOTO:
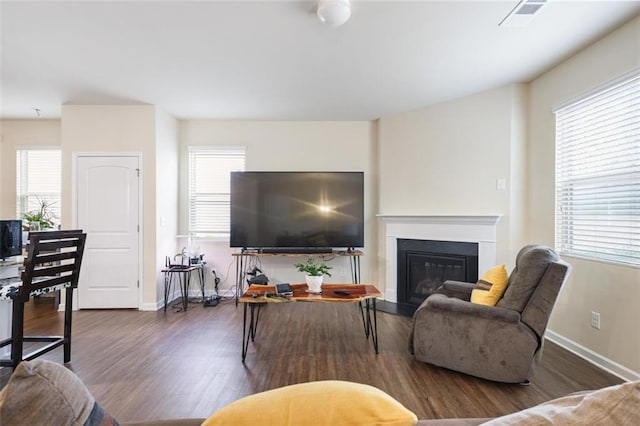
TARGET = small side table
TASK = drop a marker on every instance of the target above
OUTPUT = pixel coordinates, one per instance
(183, 274)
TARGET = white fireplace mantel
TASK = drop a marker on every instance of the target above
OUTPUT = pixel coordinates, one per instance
(480, 229)
(450, 219)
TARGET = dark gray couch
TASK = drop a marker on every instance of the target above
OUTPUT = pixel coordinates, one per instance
(502, 343)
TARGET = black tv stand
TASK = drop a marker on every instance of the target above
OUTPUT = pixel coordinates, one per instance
(296, 250)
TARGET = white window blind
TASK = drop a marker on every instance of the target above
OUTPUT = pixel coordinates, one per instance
(38, 182)
(209, 188)
(598, 175)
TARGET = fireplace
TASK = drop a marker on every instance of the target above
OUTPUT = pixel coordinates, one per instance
(423, 265)
(477, 229)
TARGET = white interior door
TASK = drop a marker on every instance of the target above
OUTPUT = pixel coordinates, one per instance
(107, 210)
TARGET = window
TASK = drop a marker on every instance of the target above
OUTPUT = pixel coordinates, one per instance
(38, 183)
(598, 174)
(209, 188)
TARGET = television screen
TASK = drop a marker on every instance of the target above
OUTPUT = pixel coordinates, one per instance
(297, 209)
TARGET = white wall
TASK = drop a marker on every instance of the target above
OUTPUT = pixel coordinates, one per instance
(290, 146)
(166, 211)
(613, 291)
(20, 134)
(446, 158)
(116, 129)
(518, 208)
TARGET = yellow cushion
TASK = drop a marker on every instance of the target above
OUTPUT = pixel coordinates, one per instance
(490, 287)
(329, 402)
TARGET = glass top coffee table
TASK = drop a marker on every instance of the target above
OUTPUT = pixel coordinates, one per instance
(258, 295)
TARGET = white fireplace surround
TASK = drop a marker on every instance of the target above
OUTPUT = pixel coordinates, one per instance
(480, 229)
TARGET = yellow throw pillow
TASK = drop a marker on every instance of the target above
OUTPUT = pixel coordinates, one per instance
(330, 402)
(490, 287)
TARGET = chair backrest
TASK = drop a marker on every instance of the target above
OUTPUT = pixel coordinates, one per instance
(534, 285)
(53, 259)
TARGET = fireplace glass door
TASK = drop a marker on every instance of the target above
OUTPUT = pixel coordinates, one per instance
(423, 265)
(427, 272)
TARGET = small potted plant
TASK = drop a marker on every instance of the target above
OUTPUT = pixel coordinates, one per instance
(315, 272)
(42, 218)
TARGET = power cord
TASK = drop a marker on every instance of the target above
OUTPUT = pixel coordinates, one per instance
(214, 300)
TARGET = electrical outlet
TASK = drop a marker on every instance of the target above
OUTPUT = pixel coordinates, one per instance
(595, 320)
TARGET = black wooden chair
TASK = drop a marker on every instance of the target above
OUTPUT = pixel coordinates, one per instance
(52, 263)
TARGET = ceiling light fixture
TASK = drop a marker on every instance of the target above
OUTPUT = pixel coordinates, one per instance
(334, 12)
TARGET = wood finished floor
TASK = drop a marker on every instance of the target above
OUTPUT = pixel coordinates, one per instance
(155, 365)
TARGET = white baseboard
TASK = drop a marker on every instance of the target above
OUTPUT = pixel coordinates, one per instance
(593, 357)
(193, 294)
(152, 306)
(145, 306)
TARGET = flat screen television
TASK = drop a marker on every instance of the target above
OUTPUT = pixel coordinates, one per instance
(289, 210)
(10, 238)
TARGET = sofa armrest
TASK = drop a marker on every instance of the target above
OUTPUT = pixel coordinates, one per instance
(613, 405)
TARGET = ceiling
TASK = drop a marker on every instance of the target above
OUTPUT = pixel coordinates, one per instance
(274, 60)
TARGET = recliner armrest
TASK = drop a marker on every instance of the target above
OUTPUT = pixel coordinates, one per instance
(459, 289)
(442, 303)
(450, 288)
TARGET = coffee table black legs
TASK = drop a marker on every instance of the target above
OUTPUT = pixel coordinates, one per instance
(364, 321)
(371, 327)
(250, 332)
(249, 329)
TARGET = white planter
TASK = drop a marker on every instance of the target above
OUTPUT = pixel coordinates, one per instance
(314, 283)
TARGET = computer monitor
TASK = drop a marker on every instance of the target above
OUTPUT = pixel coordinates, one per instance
(10, 238)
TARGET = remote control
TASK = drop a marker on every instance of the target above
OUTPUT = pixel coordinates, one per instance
(342, 292)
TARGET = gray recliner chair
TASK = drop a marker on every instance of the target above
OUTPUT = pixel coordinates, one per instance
(502, 343)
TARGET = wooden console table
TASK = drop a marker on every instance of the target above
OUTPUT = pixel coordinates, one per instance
(243, 256)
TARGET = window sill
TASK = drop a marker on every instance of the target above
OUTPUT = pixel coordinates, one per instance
(205, 237)
(593, 259)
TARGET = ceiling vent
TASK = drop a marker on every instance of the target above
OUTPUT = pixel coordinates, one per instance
(523, 13)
